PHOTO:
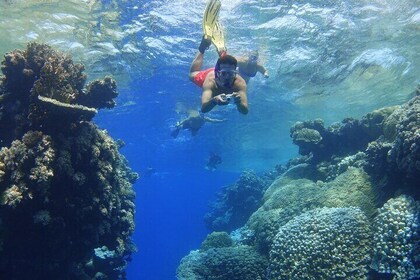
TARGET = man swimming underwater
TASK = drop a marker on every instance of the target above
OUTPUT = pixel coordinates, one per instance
(221, 83)
(218, 83)
(193, 123)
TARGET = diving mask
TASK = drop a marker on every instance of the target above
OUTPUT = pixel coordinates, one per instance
(226, 73)
(253, 58)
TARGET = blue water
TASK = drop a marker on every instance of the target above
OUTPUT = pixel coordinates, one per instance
(171, 202)
(326, 59)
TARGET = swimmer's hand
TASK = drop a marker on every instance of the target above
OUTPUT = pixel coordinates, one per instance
(236, 97)
(221, 99)
(266, 74)
(225, 99)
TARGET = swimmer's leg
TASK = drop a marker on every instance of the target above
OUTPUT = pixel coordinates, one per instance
(196, 65)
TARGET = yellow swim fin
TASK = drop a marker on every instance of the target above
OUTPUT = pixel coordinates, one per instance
(211, 14)
(218, 38)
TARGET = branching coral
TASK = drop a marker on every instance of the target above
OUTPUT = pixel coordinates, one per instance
(12, 196)
(100, 94)
(59, 78)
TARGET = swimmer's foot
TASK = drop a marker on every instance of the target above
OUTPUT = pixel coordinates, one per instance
(205, 44)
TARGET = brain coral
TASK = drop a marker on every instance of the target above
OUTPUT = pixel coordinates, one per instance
(325, 243)
(397, 238)
(231, 263)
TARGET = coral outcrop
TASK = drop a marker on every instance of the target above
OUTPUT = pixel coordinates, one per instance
(284, 203)
(66, 197)
(320, 219)
(41, 85)
(327, 243)
(217, 240)
(397, 238)
(405, 151)
(286, 199)
(235, 203)
(339, 139)
(230, 263)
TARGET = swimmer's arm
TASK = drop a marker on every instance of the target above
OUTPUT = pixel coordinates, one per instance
(262, 70)
(241, 62)
(181, 123)
(242, 103)
(207, 100)
(214, 120)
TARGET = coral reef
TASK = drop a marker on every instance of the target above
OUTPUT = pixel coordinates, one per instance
(287, 199)
(230, 263)
(216, 240)
(235, 203)
(405, 152)
(67, 203)
(394, 158)
(327, 243)
(343, 139)
(397, 238)
(319, 219)
(352, 188)
(385, 142)
(243, 236)
(41, 84)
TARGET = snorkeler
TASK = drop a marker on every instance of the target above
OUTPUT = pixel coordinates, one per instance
(249, 66)
(193, 123)
(221, 82)
(213, 161)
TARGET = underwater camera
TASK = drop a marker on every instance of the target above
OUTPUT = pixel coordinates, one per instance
(230, 98)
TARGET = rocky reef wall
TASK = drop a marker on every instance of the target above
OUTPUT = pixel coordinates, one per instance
(67, 202)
